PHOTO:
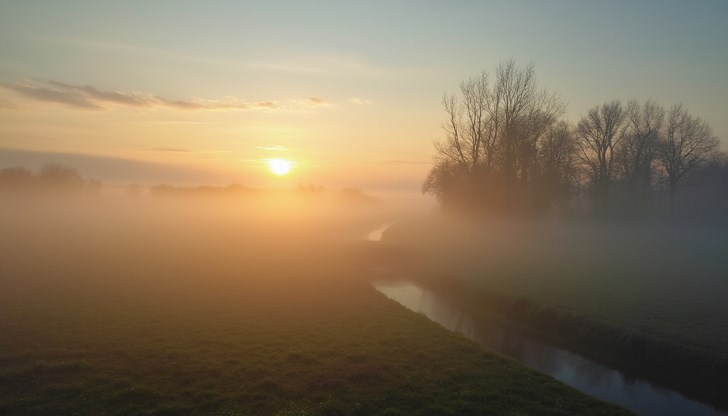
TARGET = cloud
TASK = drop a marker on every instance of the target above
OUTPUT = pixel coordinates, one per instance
(172, 149)
(276, 148)
(87, 97)
(95, 95)
(360, 101)
(306, 103)
(69, 98)
(318, 101)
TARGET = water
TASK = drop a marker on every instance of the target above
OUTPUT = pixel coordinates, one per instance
(376, 234)
(581, 373)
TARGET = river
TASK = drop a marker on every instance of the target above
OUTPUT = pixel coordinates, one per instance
(588, 376)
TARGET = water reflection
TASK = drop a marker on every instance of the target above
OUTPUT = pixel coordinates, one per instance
(588, 376)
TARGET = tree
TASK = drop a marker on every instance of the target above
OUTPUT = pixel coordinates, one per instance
(466, 131)
(688, 144)
(464, 154)
(15, 179)
(55, 176)
(636, 155)
(598, 133)
(51, 178)
(520, 114)
(446, 183)
(490, 151)
(558, 162)
(638, 150)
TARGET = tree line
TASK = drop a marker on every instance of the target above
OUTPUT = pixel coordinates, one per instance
(51, 177)
(508, 148)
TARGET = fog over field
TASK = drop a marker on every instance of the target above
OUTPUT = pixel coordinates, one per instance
(277, 208)
(216, 304)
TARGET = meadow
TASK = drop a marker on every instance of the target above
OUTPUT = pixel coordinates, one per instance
(183, 307)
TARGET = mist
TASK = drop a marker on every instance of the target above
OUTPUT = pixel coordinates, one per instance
(363, 209)
(132, 287)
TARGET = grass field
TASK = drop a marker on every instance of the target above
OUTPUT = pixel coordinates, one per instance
(665, 281)
(207, 310)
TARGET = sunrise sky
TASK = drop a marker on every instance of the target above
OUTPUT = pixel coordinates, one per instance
(206, 92)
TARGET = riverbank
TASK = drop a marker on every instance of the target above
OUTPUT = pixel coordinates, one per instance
(695, 370)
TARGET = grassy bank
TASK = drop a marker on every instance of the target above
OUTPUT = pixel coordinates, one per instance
(192, 314)
(648, 299)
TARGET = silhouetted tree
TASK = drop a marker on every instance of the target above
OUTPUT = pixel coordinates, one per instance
(688, 144)
(467, 137)
(559, 174)
(637, 152)
(521, 113)
(16, 179)
(505, 147)
(51, 178)
(490, 152)
(635, 157)
(446, 182)
(58, 176)
(466, 153)
(598, 133)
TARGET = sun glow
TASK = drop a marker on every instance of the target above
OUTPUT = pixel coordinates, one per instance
(279, 167)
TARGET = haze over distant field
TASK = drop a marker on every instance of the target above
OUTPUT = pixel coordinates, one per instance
(349, 92)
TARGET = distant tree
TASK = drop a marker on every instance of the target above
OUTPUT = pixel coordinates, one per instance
(466, 154)
(15, 179)
(52, 177)
(505, 148)
(134, 190)
(557, 155)
(688, 144)
(598, 133)
(60, 177)
(446, 182)
(468, 138)
(489, 155)
(521, 114)
(636, 154)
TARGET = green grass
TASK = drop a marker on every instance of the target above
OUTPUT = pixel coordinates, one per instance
(202, 315)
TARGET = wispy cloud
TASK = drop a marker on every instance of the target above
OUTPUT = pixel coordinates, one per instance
(172, 149)
(318, 101)
(360, 101)
(276, 148)
(69, 98)
(87, 97)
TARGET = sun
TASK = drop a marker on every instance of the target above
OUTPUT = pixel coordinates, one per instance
(279, 167)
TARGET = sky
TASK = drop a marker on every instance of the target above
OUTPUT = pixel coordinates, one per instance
(194, 92)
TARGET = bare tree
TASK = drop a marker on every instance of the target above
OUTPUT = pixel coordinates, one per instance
(599, 132)
(520, 114)
(635, 157)
(492, 136)
(465, 128)
(558, 161)
(638, 150)
(462, 156)
(688, 144)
